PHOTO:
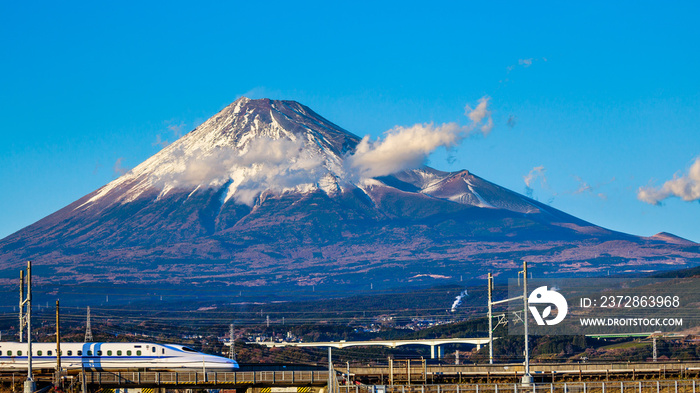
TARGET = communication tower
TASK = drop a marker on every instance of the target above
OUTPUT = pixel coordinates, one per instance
(88, 329)
(232, 349)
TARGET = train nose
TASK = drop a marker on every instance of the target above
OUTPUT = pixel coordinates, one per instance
(221, 363)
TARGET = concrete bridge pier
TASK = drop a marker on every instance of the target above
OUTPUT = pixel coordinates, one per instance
(436, 352)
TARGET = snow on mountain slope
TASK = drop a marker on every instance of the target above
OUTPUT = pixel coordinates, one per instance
(251, 146)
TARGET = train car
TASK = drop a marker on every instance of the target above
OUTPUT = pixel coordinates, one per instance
(111, 356)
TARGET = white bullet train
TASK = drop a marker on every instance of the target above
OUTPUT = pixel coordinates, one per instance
(112, 356)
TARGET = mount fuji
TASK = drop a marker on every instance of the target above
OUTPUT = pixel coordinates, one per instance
(268, 194)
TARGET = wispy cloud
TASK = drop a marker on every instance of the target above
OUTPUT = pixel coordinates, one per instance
(586, 188)
(118, 168)
(525, 63)
(583, 186)
(481, 115)
(535, 173)
(175, 131)
(178, 130)
(160, 142)
(262, 92)
(686, 187)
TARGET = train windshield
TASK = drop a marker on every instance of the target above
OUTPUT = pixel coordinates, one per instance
(186, 349)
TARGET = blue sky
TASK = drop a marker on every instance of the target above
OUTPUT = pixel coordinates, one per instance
(594, 99)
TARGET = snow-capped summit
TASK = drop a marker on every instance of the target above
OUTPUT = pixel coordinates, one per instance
(251, 146)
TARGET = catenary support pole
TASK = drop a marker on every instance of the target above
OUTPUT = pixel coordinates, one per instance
(527, 378)
(490, 284)
(330, 371)
(21, 304)
(58, 347)
(29, 385)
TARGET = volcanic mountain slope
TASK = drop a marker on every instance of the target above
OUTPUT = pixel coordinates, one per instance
(265, 193)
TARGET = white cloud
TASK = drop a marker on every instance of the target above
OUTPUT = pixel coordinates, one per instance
(481, 115)
(402, 148)
(262, 164)
(686, 187)
(535, 173)
(408, 147)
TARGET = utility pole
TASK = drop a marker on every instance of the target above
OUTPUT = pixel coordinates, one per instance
(21, 304)
(527, 378)
(58, 348)
(490, 284)
(330, 372)
(88, 329)
(29, 385)
(501, 317)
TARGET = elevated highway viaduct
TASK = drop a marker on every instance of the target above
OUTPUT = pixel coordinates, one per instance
(436, 344)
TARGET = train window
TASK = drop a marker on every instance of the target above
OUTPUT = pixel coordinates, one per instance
(119, 353)
(49, 353)
(137, 346)
(89, 353)
(70, 353)
(128, 353)
(19, 353)
(9, 353)
(80, 353)
(109, 353)
(138, 353)
(38, 353)
(153, 349)
(0, 353)
(162, 350)
(99, 353)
